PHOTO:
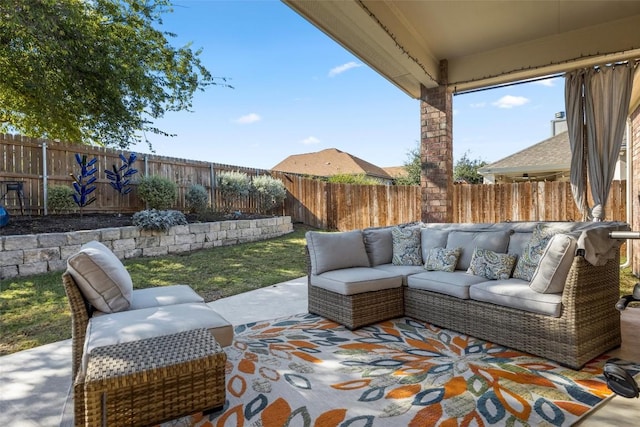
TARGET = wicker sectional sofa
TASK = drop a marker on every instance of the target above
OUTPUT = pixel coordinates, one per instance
(546, 288)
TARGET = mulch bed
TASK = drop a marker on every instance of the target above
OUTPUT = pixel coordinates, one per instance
(32, 224)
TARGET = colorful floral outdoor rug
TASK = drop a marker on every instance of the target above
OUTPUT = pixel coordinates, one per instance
(308, 371)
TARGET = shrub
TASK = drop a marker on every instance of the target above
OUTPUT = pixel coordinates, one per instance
(153, 219)
(233, 187)
(196, 198)
(269, 191)
(158, 192)
(60, 199)
(360, 179)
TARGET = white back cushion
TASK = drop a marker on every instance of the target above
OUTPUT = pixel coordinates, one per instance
(332, 251)
(379, 245)
(555, 263)
(496, 241)
(101, 277)
(431, 238)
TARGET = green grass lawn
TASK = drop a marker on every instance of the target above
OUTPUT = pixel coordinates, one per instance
(627, 280)
(35, 310)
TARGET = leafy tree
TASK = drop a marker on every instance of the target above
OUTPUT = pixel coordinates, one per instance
(466, 169)
(95, 72)
(413, 167)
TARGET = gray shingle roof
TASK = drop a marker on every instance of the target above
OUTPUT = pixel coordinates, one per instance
(329, 162)
(553, 154)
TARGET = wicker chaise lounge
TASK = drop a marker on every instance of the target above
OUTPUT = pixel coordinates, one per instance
(143, 356)
(186, 376)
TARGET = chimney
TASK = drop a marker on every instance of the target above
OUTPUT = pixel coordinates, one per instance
(559, 124)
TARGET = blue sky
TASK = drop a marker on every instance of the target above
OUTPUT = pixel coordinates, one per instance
(298, 91)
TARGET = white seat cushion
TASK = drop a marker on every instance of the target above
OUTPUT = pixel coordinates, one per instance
(516, 293)
(455, 284)
(402, 270)
(356, 280)
(163, 295)
(133, 325)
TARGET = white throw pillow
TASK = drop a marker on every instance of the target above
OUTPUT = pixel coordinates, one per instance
(101, 277)
(333, 251)
(551, 273)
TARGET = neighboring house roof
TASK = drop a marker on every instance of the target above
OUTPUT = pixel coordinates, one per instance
(329, 162)
(396, 171)
(553, 154)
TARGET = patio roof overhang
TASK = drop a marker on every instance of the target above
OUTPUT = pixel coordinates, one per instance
(485, 43)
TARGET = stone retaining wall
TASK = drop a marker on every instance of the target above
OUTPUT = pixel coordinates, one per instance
(38, 253)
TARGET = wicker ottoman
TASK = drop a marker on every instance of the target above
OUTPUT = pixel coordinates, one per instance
(154, 380)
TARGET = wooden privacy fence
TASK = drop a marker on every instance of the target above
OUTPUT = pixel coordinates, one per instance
(39, 164)
(347, 207)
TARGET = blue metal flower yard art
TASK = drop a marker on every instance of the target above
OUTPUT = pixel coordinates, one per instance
(83, 182)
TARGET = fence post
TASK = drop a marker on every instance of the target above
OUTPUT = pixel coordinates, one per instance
(213, 186)
(146, 174)
(44, 178)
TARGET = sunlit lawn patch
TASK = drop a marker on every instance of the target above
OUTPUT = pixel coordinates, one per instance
(34, 310)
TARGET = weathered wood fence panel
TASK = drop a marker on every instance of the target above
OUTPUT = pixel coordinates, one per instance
(21, 159)
(348, 206)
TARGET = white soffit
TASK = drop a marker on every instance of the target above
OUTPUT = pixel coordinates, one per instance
(484, 42)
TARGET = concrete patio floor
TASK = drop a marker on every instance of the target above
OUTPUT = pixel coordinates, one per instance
(34, 383)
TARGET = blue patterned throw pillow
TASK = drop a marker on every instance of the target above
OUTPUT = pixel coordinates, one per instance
(406, 246)
(442, 259)
(490, 264)
(532, 252)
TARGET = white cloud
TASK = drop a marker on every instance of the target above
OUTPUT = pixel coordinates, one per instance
(247, 119)
(310, 141)
(478, 105)
(342, 68)
(547, 82)
(509, 101)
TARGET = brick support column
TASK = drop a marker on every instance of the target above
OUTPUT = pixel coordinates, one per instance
(436, 151)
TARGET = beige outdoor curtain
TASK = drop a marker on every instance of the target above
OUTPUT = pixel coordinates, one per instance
(597, 103)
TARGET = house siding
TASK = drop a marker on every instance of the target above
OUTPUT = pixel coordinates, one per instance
(634, 219)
